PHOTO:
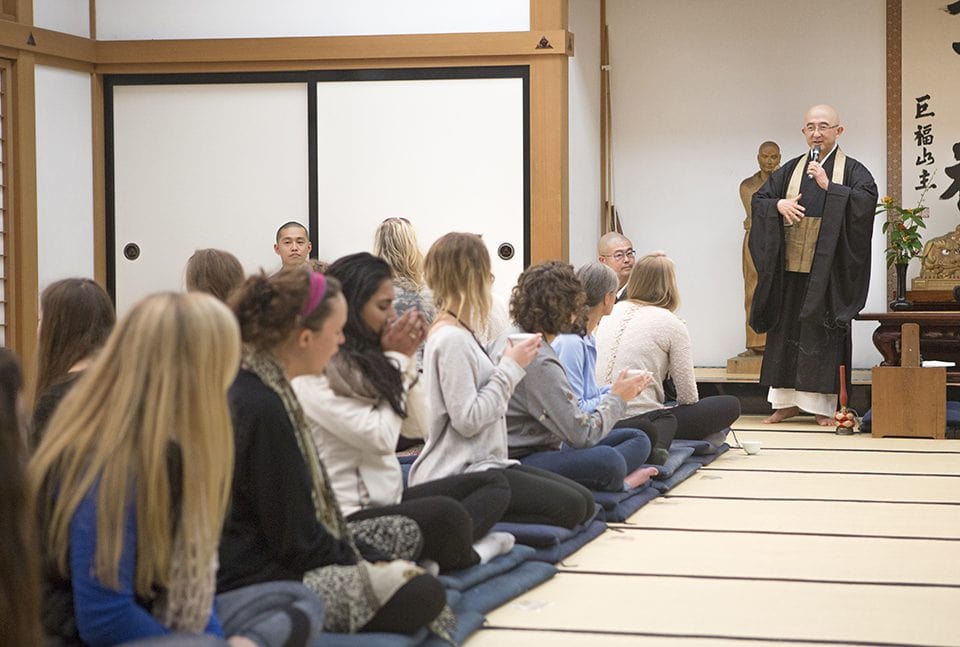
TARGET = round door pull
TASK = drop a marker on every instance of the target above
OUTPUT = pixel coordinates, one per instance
(505, 251)
(131, 251)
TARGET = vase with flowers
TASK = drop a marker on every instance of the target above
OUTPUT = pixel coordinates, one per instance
(905, 241)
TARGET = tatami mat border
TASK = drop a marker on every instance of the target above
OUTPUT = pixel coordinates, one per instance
(712, 468)
(753, 639)
(805, 499)
(745, 578)
(638, 528)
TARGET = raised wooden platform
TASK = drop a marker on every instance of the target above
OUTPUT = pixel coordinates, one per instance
(715, 380)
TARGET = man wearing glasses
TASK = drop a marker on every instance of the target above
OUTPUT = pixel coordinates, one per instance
(617, 251)
(810, 242)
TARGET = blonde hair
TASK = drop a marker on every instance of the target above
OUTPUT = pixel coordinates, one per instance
(395, 241)
(653, 281)
(457, 269)
(161, 378)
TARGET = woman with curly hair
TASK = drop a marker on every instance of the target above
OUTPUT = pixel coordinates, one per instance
(468, 393)
(285, 522)
(132, 490)
(369, 394)
(546, 427)
(643, 332)
(76, 317)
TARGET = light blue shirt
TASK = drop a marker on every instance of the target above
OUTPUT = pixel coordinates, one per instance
(578, 355)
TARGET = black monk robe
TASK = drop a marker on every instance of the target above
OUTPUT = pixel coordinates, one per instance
(808, 316)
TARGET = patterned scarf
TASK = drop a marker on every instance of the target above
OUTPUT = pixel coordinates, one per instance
(265, 366)
(185, 606)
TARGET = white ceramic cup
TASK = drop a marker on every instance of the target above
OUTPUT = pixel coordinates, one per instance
(520, 337)
(751, 446)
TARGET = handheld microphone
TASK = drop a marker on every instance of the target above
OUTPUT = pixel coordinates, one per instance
(814, 157)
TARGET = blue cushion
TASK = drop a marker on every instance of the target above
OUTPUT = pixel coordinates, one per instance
(499, 590)
(469, 577)
(706, 459)
(619, 506)
(553, 543)
(681, 474)
(677, 457)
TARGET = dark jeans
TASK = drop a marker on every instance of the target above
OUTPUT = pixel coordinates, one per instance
(601, 467)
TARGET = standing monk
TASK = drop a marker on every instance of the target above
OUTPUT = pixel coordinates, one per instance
(768, 157)
(810, 242)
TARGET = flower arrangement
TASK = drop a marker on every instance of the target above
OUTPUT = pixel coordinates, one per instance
(903, 226)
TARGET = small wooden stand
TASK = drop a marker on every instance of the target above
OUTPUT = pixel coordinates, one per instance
(909, 400)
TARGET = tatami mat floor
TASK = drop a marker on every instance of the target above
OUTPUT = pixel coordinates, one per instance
(819, 539)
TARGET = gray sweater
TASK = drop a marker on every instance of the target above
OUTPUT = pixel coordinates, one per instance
(468, 396)
(543, 410)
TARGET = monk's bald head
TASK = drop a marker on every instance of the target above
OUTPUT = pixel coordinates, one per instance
(617, 252)
(827, 112)
(821, 127)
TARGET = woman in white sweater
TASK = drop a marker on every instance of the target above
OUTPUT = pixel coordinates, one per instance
(468, 393)
(367, 397)
(643, 332)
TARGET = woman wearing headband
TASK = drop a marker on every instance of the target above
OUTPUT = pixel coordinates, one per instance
(284, 521)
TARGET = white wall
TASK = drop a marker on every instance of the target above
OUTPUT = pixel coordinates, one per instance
(64, 174)
(697, 85)
(70, 16)
(148, 19)
(584, 106)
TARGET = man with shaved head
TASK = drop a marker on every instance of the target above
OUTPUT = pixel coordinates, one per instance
(810, 242)
(617, 252)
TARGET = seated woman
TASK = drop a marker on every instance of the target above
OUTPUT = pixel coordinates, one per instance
(578, 354)
(131, 489)
(395, 241)
(370, 394)
(644, 333)
(213, 271)
(543, 415)
(284, 521)
(76, 316)
(19, 571)
(468, 393)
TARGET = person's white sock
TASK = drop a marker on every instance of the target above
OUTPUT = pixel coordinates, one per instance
(493, 544)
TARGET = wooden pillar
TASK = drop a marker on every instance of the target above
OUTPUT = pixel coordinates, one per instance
(99, 182)
(23, 297)
(894, 116)
(549, 185)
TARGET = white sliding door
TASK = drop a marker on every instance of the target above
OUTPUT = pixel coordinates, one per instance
(447, 154)
(214, 165)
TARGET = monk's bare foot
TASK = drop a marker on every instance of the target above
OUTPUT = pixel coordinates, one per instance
(826, 421)
(779, 415)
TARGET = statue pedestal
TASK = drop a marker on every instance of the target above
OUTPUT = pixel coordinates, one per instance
(745, 365)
